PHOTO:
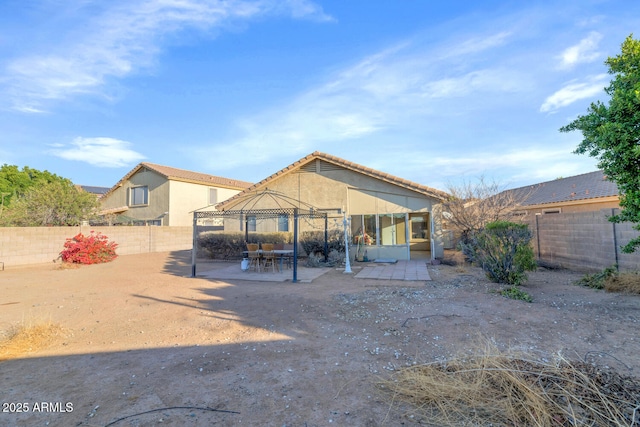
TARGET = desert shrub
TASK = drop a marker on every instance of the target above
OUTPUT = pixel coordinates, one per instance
(313, 241)
(597, 280)
(504, 388)
(317, 259)
(94, 248)
(627, 282)
(516, 293)
(502, 250)
(229, 245)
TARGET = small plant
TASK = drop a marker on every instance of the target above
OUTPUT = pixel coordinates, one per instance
(517, 294)
(597, 280)
(94, 248)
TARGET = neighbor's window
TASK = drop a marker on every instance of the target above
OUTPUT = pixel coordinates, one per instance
(551, 211)
(139, 196)
(213, 196)
(251, 223)
(283, 223)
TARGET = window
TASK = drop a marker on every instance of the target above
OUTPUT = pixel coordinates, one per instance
(283, 223)
(213, 196)
(364, 229)
(139, 196)
(251, 223)
(551, 211)
(392, 229)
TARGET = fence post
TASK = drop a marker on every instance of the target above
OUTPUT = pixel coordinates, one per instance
(194, 245)
(615, 240)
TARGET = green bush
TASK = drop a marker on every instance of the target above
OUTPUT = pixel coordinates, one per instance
(502, 250)
(597, 280)
(229, 245)
(516, 293)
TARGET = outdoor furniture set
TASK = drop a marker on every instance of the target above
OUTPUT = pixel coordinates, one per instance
(267, 256)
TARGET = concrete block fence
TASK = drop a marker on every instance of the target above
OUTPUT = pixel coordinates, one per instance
(583, 241)
(34, 245)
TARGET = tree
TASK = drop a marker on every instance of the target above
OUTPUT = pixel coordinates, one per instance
(611, 133)
(55, 203)
(15, 182)
(471, 206)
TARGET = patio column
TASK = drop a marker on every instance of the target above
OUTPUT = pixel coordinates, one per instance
(295, 245)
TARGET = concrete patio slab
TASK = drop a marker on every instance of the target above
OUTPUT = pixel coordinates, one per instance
(232, 271)
(413, 270)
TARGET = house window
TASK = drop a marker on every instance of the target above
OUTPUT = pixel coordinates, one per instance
(213, 196)
(283, 223)
(551, 211)
(364, 229)
(251, 223)
(139, 196)
(392, 229)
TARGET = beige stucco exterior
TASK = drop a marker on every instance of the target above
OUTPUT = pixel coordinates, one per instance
(171, 202)
(583, 205)
(335, 189)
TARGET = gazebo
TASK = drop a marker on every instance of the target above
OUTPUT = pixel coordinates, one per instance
(249, 207)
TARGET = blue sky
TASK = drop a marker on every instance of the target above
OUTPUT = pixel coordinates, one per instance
(434, 92)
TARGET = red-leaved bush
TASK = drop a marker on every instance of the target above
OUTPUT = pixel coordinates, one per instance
(92, 249)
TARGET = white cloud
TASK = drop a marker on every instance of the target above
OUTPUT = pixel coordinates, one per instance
(573, 92)
(124, 39)
(100, 152)
(583, 52)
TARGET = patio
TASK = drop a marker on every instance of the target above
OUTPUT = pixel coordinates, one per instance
(414, 270)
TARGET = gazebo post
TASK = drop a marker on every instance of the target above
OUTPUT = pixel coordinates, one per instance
(295, 245)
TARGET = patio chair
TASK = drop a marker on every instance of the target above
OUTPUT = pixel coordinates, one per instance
(268, 256)
(253, 254)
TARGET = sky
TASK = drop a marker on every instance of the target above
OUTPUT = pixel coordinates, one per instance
(439, 93)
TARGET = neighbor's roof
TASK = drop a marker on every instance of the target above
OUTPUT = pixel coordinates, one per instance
(587, 186)
(176, 174)
(419, 188)
(95, 190)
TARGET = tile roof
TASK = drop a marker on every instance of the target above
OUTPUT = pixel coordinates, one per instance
(186, 176)
(419, 188)
(590, 185)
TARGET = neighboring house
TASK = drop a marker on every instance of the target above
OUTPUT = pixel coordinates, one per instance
(391, 217)
(161, 195)
(97, 191)
(587, 192)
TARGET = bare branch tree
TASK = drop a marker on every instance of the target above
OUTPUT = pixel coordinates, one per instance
(472, 205)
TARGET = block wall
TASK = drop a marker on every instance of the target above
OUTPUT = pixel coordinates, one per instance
(584, 241)
(34, 245)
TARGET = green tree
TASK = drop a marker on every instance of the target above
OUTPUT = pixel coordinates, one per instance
(56, 203)
(611, 133)
(15, 182)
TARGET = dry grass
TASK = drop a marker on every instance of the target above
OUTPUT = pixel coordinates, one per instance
(27, 337)
(501, 389)
(627, 282)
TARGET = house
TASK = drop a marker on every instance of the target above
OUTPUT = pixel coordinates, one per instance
(587, 192)
(389, 217)
(161, 195)
(97, 191)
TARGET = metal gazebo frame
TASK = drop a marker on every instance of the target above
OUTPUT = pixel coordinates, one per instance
(244, 213)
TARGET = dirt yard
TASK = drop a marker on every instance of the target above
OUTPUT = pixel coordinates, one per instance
(143, 344)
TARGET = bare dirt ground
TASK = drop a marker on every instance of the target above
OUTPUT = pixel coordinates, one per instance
(144, 344)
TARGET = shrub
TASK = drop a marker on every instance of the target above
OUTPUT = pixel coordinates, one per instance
(516, 293)
(597, 280)
(502, 250)
(229, 245)
(313, 241)
(92, 249)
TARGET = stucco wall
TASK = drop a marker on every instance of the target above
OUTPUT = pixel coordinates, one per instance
(326, 186)
(33, 245)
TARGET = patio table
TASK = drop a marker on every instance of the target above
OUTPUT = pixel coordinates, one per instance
(281, 253)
